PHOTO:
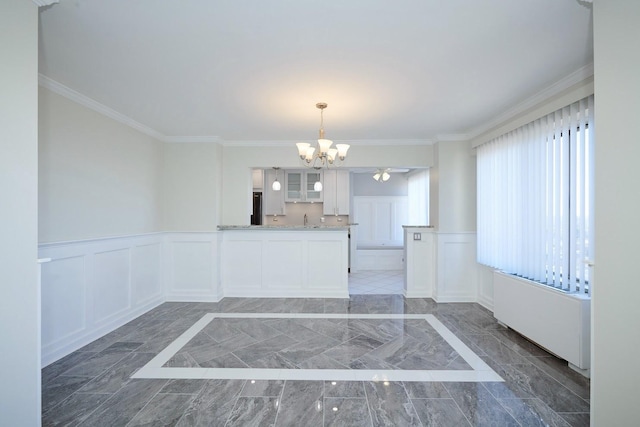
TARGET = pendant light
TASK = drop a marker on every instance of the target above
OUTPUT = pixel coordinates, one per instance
(276, 184)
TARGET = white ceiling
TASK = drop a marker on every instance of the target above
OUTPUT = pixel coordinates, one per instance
(253, 69)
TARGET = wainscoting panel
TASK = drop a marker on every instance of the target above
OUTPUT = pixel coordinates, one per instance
(146, 278)
(111, 285)
(63, 299)
(191, 261)
(284, 263)
(92, 287)
(485, 286)
(456, 276)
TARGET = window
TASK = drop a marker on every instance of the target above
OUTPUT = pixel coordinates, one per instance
(535, 199)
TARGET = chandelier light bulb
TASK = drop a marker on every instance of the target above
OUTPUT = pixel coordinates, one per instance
(325, 155)
(317, 186)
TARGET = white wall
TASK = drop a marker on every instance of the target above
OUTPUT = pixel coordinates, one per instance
(365, 185)
(456, 182)
(97, 177)
(240, 159)
(19, 305)
(192, 180)
(615, 338)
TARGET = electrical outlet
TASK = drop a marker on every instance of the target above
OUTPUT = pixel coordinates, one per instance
(417, 236)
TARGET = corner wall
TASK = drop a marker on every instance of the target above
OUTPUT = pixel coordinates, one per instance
(616, 293)
(20, 303)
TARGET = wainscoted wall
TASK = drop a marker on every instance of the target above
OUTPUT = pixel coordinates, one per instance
(456, 277)
(191, 263)
(91, 287)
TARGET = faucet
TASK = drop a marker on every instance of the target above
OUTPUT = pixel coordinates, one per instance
(305, 219)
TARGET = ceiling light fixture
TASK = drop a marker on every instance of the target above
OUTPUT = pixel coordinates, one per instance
(276, 184)
(382, 175)
(325, 155)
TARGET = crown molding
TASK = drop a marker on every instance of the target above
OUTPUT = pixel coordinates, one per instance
(453, 137)
(540, 97)
(192, 139)
(353, 142)
(94, 105)
(42, 3)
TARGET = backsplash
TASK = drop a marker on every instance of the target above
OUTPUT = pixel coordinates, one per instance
(295, 216)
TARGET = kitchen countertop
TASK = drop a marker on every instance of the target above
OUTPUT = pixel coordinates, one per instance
(313, 227)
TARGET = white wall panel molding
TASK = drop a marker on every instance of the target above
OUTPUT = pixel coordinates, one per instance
(456, 272)
(92, 287)
(191, 263)
(485, 286)
(285, 263)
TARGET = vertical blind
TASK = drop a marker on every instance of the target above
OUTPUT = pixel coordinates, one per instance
(535, 199)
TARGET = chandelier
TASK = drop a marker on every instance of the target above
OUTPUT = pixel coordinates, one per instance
(324, 155)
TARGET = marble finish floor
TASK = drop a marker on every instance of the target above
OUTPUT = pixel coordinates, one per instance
(94, 386)
(376, 282)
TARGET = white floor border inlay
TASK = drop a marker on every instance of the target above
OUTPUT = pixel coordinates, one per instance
(481, 371)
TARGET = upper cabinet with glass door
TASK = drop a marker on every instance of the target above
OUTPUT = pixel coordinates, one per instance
(299, 186)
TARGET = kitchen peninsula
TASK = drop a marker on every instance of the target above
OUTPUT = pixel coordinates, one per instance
(283, 261)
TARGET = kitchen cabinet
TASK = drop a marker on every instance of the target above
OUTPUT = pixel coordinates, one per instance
(299, 186)
(336, 192)
(273, 200)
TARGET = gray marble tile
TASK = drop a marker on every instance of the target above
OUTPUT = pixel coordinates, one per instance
(419, 305)
(321, 361)
(381, 330)
(350, 412)
(390, 405)
(299, 353)
(313, 305)
(121, 407)
(181, 360)
(577, 419)
(124, 346)
(74, 409)
(493, 348)
(344, 389)
(293, 305)
(550, 391)
(559, 369)
(220, 330)
(255, 328)
(225, 361)
(183, 386)
(293, 328)
(95, 365)
(59, 389)
(352, 349)
(273, 361)
(119, 374)
(336, 305)
(256, 351)
(426, 390)
(367, 361)
(162, 410)
(254, 411)
(439, 413)
(341, 331)
(213, 405)
(533, 413)
(517, 342)
(479, 406)
(53, 370)
(301, 404)
(264, 388)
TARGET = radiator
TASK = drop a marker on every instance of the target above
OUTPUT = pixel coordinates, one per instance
(555, 320)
